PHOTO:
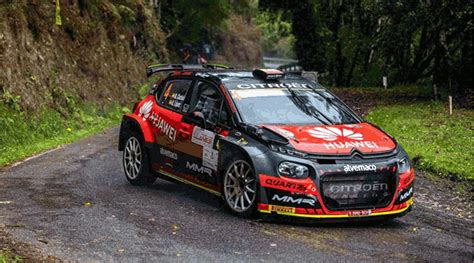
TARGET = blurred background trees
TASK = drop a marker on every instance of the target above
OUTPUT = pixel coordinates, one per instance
(349, 42)
(358, 42)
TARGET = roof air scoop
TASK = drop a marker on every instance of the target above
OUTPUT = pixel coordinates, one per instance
(268, 74)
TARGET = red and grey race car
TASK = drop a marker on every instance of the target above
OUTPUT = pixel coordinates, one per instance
(267, 142)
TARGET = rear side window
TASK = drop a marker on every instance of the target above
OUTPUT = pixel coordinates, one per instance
(174, 93)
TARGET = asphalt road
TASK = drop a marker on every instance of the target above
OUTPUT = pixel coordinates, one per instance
(74, 203)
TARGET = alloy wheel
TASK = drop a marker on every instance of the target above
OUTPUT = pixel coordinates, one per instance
(240, 186)
(132, 158)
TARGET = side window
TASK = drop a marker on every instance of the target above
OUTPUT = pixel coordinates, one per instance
(208, 100)
(174, 94)
(224, 116)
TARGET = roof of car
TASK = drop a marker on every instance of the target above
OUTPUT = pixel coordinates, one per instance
(235, 78)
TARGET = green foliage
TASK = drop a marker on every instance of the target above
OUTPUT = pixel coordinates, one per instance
(11, 101)
(127, 15)
(309, 42)
(22, 135)
(188, 20)
(358, 42)
(277, 38)
(7, 257)
(437, 142)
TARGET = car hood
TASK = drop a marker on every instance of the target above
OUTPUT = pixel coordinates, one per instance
(335, 139)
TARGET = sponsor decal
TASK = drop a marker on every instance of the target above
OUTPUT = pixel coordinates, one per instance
(198, 168)
(290, 199)
(405, 194)
(332, 134)
(282, 209)
(206, 138)
(359, 168)
(210, 158)
(242, 142)
(163, 126)
(278, 183)
(203, 137)
(355, 188)
(168, 153)
(145, 109)
(360, 212)
(345, 145)
(272, 85)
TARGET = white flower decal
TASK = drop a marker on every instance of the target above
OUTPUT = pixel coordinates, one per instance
(145, 109)
(332, 134)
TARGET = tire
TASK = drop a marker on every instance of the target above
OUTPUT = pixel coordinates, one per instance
(136, 163)
(240, 188)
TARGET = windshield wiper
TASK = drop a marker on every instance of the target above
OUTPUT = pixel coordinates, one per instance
(341, 106)
(311, 111)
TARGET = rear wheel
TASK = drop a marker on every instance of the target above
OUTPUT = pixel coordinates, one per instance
(240, 188)
(136, 163)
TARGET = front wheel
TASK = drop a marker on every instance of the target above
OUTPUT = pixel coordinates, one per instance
(136, 163)
(240, 188)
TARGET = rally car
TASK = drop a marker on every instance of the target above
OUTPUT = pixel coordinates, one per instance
(265, 142)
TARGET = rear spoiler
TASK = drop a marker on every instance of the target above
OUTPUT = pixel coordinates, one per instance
(152, 69)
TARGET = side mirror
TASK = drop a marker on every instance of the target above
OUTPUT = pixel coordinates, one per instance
(195, 118)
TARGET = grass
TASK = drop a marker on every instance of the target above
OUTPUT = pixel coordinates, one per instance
(6, 257)
(438, 143)
(22, 135)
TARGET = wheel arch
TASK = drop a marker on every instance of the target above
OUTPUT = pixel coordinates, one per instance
(133, 123)
(253, 152)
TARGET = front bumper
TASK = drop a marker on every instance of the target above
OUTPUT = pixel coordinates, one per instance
(293, 197)
(318, 213)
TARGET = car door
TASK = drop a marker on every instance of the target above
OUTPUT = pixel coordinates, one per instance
(207, 101)
(172, 135)
(186, 151)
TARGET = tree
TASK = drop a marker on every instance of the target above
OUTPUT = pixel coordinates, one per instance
(360, 41)
(309, 44)
(191, 20)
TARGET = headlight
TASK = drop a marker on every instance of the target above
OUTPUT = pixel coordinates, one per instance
(293, 170)
(404, 165)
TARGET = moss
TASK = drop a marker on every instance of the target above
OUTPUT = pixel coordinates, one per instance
(127, 15)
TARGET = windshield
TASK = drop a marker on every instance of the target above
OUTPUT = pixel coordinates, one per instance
(291, 106)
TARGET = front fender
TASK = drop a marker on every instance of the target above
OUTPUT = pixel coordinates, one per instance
(253, 150)
(134, 123)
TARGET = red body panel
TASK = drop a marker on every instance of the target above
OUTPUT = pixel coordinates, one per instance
(141, 119)
(336, 139)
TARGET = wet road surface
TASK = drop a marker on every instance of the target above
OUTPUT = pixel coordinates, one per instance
(74, 203)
